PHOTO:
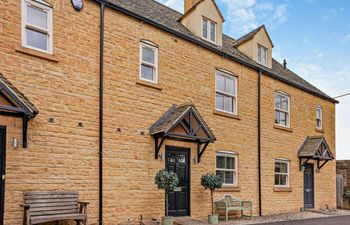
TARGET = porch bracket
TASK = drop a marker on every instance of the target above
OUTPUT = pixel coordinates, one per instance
(25, 132)
(157, 146)
(201, 151)
(301, 163)
(318, 164)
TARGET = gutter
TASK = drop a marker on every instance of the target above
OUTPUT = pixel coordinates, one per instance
(259, 140)
(100, 212)
(211, 48)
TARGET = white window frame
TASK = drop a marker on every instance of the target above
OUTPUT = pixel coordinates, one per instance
(321, 117)
(281, 110)
(235, 79)
(235, 170)
(209, 25)
(49, 31)
(265, 50)
(154, 48)
(282, 160)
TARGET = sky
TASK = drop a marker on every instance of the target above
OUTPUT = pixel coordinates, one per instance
(312, 35)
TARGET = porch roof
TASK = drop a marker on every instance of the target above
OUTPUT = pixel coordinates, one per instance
(20, 105)
(175, 116)
(315, 147)
(182, 123)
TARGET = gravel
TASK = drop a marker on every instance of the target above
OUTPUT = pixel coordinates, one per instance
(273, 218)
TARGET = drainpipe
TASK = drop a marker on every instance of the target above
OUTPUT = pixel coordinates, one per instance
(259, 139)
(100, 212)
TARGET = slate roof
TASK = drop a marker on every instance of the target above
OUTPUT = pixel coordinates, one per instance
(172, 117)
(17, 96)
(311, 145)
(167, 19)
(250, 35)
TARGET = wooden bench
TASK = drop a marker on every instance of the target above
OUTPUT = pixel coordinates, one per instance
(229, 203)
(41, 207)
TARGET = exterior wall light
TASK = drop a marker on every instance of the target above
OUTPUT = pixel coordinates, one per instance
(15, 143)
(162, 156)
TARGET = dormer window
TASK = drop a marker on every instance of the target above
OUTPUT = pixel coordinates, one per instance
(208, 30)
(262, 55)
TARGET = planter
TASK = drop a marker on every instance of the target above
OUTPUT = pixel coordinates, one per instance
(213, 219)
(167, 220)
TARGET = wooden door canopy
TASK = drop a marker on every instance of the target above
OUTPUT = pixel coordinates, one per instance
(15, 104)
(182, 123)
(315, 148)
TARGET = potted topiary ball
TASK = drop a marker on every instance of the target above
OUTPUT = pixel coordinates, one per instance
(167, 181)
(212, 182)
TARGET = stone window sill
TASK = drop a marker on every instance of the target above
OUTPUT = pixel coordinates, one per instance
(319, 130)
(282, 189)
(149, 84)
(38, 54)
(283, 128)
(229, 189)
(220, 113)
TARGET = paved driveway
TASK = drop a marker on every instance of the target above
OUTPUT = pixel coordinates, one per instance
(338, 220)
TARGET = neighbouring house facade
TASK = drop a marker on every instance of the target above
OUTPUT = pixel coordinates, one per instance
(177, 94)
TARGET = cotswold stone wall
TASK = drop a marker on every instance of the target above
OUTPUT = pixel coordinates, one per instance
(64, 156)
(343, 168)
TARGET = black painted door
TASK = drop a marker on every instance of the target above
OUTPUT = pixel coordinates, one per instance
(177, 160)
(2, 171)
(309, 186)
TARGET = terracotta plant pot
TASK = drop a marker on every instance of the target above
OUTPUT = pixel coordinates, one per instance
(213, 219)
(167, 220)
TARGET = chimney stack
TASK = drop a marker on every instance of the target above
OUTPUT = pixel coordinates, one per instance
(285, 64)
(189, 4)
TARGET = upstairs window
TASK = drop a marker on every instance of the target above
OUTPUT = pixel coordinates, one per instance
(282, 173)
(262, 55)
(319, 117)
(37, 26)
(149, 62)
(226, 92)
(226, 168)
(282, 109)
(208, 30)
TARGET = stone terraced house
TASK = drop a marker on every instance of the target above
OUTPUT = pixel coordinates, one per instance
(99, 95)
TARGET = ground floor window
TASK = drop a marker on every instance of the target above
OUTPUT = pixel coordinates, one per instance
(226, 168)
(281, 172)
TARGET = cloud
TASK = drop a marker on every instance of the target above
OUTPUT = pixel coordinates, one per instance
(329, 15)
(243, 16)
(346, 38)
(178, 5)
(280, 14)
(320, 55)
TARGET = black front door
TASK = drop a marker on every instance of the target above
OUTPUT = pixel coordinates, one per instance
(2, 171)
(177, 160)
(309, 186)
